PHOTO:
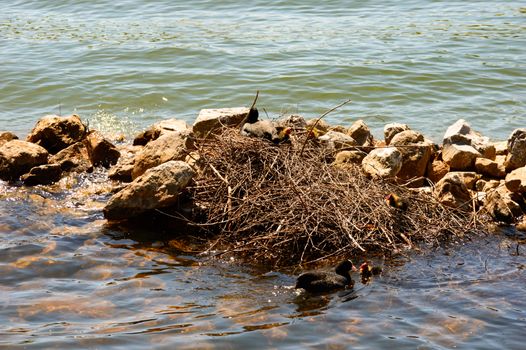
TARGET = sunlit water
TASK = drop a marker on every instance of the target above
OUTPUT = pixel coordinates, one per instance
(68, 281)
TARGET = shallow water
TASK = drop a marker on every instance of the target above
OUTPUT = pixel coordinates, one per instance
(68, 280)
(425, 63)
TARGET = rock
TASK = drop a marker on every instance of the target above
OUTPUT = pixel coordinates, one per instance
(501, 206)
(453, 192)
(320, 125)
(161, 128)
(382, 162)
(349, 157)
(210, 120)
(18, 157)
(516, 180)
(293, 120)
(460, 157)
(6, 136)
(42, 175)
(521, 225)
(100, 150)
(486, 185)
(122, 171)
(337, 140)
(361, 133)
(501, 148)
(516, 157)
(489, 168)
(470, 178)
(436, 170)
(55, 133)
(73, 158)
(390, 130)
(158, 187)
(339, 128)
(416, 154)
(146, 136)
(170, 146)
(460, 133)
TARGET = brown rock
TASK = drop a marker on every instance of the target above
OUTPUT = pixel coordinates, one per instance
(501, 148)
(436, 170)
(321, 125)
(501, 206)
(470, 178)
(460, 133)
(18, 157)
(293, 120)
(349, 157)
(416, 155)
(146, 136)
(100, 150)
(171, 146)
(516, 157)
(73, 158)
(210, 120)
(55, 133)
(360, 132)
(122, 171)
(486, 185)
(516, 180)
(460, 157)
(453, 192)
(337, 140)
(390, 130)
(6, 136)
(382, 162)
(489, 168)
(160, 128)
(42, 175)
(158, 187)
(521, 225)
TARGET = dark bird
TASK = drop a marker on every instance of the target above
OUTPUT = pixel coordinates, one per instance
(396, 201)
(367, 271)
(327, 281)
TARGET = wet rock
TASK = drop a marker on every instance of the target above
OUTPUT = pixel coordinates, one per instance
(158, 187)
(170, 146)
(146, 136)
(337, 140)
(460, 157)
(122, 171)
(489, 168)
(349, 157)
(460, 133)
(453, 192)
(416, 155)
(516, 157)
(360, 132)
(436, 170)
(55, 133)
(501, 206)
(516, 180)
(6, 136)
(42, 175)
(161, 128)
(210, 120)
(73, 158)
(382, 162)
(100, 150)
(18, 157)
(390, 130)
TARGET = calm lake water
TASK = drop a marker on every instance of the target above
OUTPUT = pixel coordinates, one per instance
(69, 281)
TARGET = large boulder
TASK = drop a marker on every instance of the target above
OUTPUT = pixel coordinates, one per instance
(516, 157)
(360, 132)
(55, 133)
(42, 175)
(391, 129)
(158, 187)
(500, 204)
(382, 162)
(452, 191)
(489, 168)
(416, 155)
(18, 157)
(210, 120)
(73, 158)
(6, 136)
(516, 180)
(460, 133)
(170, 146)
(460, 157)
(100, 150)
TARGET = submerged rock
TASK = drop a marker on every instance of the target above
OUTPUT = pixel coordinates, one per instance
(55, 133)
(382, 162)
(516, 157)
(18, 157)
(209, 120)
(158, 187)
(42, 175)
(100, 150)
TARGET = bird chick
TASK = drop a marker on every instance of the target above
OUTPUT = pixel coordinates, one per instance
(396, 201)
(283, 134)
(367, 271)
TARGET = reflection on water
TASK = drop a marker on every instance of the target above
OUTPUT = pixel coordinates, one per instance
(69, 281)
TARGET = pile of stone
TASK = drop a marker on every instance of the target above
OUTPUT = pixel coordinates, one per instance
(467, 171)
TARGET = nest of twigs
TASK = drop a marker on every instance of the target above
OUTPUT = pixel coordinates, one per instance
(286, 204)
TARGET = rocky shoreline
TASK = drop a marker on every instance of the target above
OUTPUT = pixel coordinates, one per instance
(467, 172)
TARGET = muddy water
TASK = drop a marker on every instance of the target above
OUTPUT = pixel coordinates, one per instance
(69, 281)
